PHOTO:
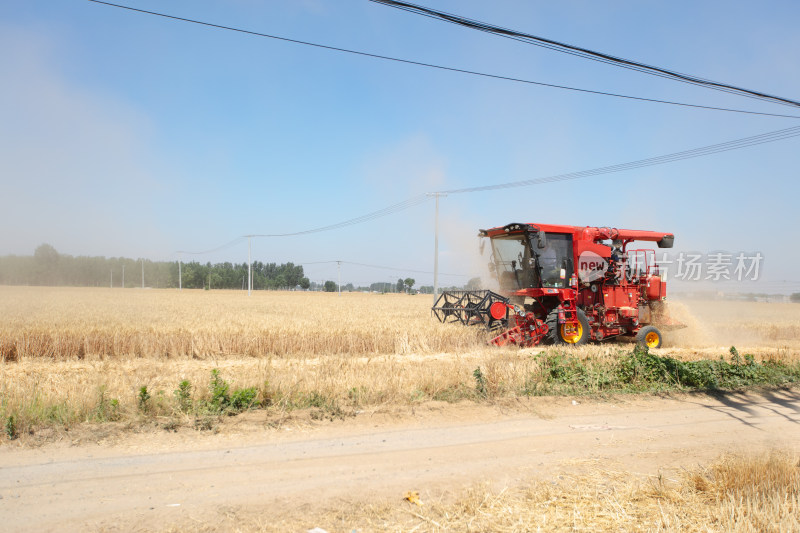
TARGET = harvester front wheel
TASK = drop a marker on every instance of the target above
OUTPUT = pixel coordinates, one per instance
(649, 336)
(559, 334)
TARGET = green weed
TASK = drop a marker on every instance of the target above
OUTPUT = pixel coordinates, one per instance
(107, 409)
(480, 383)
(144, 399)
(220, 398)
(11, 427)
(183, 395)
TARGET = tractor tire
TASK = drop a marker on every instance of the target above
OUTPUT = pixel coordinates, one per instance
(649, 336)
(555, 333)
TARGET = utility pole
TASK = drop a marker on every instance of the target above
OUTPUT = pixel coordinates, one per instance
(249, 271)
(436, 247)
(339, 276)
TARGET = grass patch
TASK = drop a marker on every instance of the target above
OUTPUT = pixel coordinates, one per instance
(642, 371)
(106, 409)
(334, 388)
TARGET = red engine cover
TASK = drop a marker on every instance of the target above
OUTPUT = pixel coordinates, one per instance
(620, 296)
(656, 289)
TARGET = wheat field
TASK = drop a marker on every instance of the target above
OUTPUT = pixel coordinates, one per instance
(98, 324)
(64, 324)
(67, 352)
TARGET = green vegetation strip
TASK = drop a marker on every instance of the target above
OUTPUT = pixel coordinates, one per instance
(642, 371)
(554, 373)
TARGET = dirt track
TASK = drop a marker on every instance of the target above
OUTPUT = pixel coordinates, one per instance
(155, 480)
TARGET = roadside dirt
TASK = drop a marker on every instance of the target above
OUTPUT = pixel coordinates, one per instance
(159, 480)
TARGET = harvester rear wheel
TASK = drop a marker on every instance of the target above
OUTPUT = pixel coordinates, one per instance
(558, 334)
(649, 336)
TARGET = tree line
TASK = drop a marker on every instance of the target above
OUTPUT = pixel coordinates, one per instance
(48, 267)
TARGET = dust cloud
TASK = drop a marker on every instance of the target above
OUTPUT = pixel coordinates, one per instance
(725, 323)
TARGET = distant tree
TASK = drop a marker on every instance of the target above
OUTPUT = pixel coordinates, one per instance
(304, 284)
(426, 289)
(214, 280)
(46, 259)
(795, 297)
(46, 254)
(474, 284)
(349, 287)
(330, 286)
(292, 274)
(409, 282)
(400, 285)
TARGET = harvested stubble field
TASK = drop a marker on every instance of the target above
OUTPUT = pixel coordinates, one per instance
(75, 354)
(753, 492)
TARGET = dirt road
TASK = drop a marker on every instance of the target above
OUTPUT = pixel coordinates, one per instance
(154, 480)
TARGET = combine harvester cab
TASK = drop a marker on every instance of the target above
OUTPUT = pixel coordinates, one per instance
(566, 285)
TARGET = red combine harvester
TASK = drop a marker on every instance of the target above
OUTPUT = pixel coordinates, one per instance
(566, 285)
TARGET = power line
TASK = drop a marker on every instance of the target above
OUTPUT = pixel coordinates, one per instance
(394, 208)
(411, 202)
(235, 241)
(736, 144)
(382, 267)
(659, 160)
(440, 67)
(583, 52)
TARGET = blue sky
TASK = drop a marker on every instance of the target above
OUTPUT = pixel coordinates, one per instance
(124, 134)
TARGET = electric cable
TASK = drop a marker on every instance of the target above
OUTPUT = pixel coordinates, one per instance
(441, 67)
(212, 250)
(382, 267)
(583, 52)
(401, 206)
(735, 144)
(658, 160)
